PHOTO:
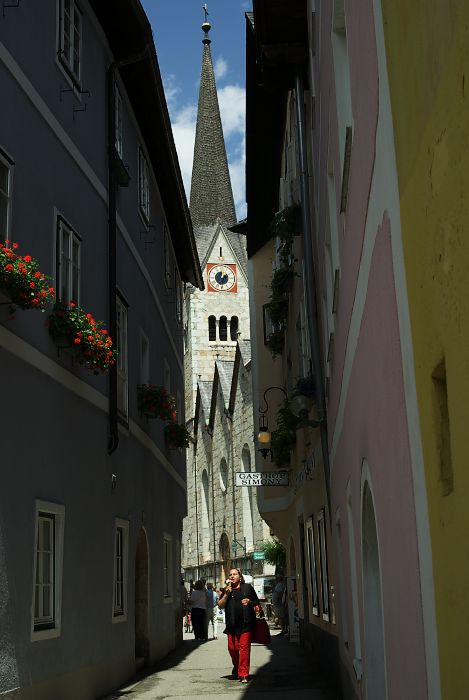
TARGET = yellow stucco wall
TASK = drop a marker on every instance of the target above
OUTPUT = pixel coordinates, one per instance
(427, 46)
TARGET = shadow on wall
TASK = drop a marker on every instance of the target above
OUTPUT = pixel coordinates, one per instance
(9, 676)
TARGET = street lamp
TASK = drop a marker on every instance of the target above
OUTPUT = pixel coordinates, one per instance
(300, 405)
(264, 435)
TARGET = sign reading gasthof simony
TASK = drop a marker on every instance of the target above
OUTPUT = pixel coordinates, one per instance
(261, 478)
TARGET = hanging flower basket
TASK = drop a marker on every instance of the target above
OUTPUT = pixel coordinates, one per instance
(176, 436)
(156, 402)
(83, 336)
(22, 281)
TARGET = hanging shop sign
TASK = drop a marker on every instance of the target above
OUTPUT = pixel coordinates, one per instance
(262, 479)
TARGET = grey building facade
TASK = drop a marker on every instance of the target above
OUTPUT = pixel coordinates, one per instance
(223, 527)
(92, 499)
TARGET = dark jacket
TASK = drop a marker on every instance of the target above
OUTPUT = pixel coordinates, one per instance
(240, 618)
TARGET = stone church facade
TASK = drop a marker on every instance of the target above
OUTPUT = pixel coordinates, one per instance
(223, 527)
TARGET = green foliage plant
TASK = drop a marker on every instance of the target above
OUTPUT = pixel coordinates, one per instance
(283, 438)
(275, 554)
(176, 436)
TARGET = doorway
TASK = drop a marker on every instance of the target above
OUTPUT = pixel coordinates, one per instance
(375, 665)
(142, 645)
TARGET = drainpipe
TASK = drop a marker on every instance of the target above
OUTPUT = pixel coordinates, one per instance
(113, 438)
(310, 281)
(196, 510)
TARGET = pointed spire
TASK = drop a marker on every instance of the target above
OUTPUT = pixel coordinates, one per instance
(211, 197)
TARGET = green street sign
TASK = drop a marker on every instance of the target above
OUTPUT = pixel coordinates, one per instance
(258, 556)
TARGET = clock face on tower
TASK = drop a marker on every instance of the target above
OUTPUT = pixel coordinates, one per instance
(221, 278)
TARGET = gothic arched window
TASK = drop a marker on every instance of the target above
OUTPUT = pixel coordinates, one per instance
(234, 328)
(222, 328)
(212, 328)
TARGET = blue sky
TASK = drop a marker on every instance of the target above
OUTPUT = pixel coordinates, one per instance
(178, 39)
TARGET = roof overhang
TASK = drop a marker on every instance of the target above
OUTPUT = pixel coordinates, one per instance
(276, 45)
(129, 33)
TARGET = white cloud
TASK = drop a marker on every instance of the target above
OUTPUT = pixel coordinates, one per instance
(220, 68)
(183, 120)
(183, 123)
(171, 91)
(232, 100)
(237, 163)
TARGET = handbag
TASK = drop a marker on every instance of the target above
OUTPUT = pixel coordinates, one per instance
(261, 632)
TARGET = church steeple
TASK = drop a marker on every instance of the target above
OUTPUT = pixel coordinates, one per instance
(211, 197)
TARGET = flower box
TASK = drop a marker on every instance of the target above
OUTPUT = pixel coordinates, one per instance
(176, 436)
(85, 337)
(24, 285)
(156, 402)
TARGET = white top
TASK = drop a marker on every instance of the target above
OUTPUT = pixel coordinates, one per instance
(199, 599)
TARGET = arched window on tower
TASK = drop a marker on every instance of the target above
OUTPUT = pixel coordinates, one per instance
(212, 328)
(222, 328)
(234, 328)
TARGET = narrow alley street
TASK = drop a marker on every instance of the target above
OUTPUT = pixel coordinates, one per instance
(202, 670)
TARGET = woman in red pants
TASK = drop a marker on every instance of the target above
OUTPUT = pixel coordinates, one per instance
(239, 600)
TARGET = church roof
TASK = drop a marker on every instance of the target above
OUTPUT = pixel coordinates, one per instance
(225, 374)
(205, 390)
(245, 350)
(205, 237)
(211, 198)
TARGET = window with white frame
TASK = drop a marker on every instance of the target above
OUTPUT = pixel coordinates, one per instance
(144, 358)
(143, 186)
(5, 197)
(47, 588)
(313, 577)
(323, 564)
(167, 568)
(68, 262)
(167, 256)
(122, 357)
(119, 608)
(118, 120)
(70, 36)
(178, 285)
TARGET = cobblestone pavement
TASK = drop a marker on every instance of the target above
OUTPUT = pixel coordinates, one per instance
(201, 670)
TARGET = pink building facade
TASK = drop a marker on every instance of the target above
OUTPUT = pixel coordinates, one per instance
(380, 531)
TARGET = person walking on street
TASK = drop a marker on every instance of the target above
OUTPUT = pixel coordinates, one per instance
(212, 610)
(239, 600)
(198, 604)
(278, 603)
(184, 597)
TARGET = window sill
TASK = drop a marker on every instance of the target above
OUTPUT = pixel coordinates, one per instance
(116, 619)
(143, 218)
(39, 635)
(72, 81)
